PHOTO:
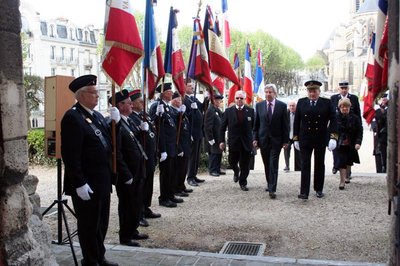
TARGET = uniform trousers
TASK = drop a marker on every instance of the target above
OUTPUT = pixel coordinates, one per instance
(148, 183)
(239, 160)
(194, 159)
(319, 167)
(181, 171)
(167, 178)
(214, 162)
(92, 222)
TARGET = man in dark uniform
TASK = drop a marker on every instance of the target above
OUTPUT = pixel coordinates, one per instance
(194, 111)
(271, 134)
(178, 111)
(314, 124)
(239, 121)
(130, 163)
(354, 109)
(147, 137)
(381, 126)
(160, 113)
(212, 128)
(86, 153)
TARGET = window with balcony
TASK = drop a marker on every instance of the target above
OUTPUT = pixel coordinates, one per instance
(52, 52)
(62, 53)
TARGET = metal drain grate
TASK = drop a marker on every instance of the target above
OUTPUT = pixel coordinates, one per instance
(243, 248)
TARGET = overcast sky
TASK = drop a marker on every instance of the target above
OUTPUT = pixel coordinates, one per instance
(303, 25)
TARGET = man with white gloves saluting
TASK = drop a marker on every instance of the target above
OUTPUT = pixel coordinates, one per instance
(314, 124)
(86, 153)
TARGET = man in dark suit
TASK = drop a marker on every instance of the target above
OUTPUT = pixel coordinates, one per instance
(212, 127)
(354, 109)
(271, 133)
(160, 112)
(86, 153)
(381, 128)
(297, 162)
(194, 111)
(239, 121)
(314, 124)
(147, 137)
(131, 175)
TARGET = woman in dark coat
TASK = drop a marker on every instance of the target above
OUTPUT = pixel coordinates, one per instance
(349, 142)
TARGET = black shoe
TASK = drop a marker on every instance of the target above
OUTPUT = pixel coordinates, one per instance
(168, 204)
(188, 190)
(341, 187)
(235, 178)
(272, 195)
(192, 182)
(267, 189)
(108, 263)
(151, 215)
(176, 200)
(347, 180)
(319, 194)
(181, 194)
(334, 170)
(286, 169)
(129, 242)
(222, 173)
(199, 180)
(139, 236)
(143, 222)
(302, 196)
(244, 188)
(213, 174)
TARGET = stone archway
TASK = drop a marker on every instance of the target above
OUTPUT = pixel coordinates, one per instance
(24, 239)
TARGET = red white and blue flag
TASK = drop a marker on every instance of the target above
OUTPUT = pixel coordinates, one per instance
(219, 63)
(259, 79)
(123, 45)
(369, 111)
(235, 87)
(173, 60)
(152, 62)
(227, 31)
(248, 79)
(198, 67)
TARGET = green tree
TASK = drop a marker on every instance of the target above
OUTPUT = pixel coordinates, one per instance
(315, 65)
(34, 90)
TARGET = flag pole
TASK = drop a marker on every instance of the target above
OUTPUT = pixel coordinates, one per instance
(113, 133)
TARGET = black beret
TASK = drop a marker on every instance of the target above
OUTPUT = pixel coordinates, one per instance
(82, 81)
(120, 96)
(167, 86)
(218, 97)
(176, 95)
(343, 84)
(312, 84)
(135, 94)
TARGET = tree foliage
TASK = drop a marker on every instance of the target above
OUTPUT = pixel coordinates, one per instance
(34, 91)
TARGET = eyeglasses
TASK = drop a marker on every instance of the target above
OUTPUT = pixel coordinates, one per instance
(239, 98)
(344, 88)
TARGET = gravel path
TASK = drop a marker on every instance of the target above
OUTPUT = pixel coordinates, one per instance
(350, 225)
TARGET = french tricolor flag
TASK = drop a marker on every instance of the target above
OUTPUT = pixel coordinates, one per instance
(248, 80)
(123, 45)
(259, 79)
(173, 60)
(152, 63)
(227, 32)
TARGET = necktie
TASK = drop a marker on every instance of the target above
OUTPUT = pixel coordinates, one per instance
(240, 114)
(312, 103)
(269, 111)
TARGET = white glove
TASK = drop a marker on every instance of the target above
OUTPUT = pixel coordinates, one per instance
(193, 106)
(129, 182)
(144, 126)
(83, 192)
(296, 145)
(332, 144)
(114, 114)
(211, 142)
(182, 109)
(160, 110)
(163, 156)
(180, 154)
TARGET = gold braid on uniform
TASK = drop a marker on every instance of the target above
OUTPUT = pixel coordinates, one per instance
(295, 138)
(334, 136)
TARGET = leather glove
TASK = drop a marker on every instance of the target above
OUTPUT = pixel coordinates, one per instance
(180, 154)
(193, 105)
(163, 156)
(296, 145)
(211, 142)
(144, 126)
(182, 109)
(83, 192)
(160, 110)
(332, 144)
(114, 114)
(129, 182)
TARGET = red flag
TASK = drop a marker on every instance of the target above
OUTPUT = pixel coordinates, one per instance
(219, 83)
(369, 111)
(235, 87)
(123, 46)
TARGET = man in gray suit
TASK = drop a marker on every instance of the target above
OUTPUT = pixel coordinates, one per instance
(270, 134)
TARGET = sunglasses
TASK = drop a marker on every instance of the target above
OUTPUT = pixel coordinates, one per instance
(239, 98)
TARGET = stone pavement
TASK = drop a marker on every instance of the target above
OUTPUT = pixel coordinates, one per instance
(135, 256)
